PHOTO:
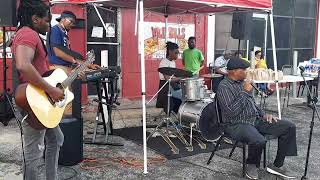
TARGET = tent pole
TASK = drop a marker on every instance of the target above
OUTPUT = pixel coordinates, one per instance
(167, 29)
(247, 52)
(136, 18)
(275, 62)
(143, 86)
(265, 37)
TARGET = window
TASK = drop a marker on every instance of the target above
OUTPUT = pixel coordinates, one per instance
(305, 8)
(283, 7)
(282, 28)
(282, 58)
(304, 33)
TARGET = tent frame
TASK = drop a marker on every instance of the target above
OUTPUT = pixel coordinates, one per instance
(140, 10)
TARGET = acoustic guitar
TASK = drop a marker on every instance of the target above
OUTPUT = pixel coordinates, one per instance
(42, 111)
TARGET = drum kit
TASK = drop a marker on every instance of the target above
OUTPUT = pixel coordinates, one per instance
(195, 111)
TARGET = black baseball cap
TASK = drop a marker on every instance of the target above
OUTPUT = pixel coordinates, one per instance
(237, 63)
(66, 14)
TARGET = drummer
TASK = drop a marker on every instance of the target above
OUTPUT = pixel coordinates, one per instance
(169, 61)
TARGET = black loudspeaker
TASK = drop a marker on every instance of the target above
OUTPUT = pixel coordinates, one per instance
(76, 103)
(241, 25)
(8, 16)
(71, 152)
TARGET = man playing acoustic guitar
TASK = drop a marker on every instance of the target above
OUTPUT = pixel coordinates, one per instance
(32, 62)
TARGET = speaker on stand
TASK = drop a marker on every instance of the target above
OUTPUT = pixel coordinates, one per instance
(241, 26)
(71, 152)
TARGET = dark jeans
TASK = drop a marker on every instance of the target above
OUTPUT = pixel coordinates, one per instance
(284, 130)
(263, 87)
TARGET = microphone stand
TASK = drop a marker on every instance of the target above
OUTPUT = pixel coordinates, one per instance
(314, 100)
(262, 95)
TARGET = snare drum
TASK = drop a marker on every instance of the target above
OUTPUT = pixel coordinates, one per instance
(203, 114)
(192, 89)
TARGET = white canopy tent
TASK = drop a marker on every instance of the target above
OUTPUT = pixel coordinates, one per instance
(169, 7)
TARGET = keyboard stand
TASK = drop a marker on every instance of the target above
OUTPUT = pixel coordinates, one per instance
(101, 119)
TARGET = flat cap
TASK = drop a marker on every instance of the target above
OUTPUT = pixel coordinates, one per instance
(237, 63)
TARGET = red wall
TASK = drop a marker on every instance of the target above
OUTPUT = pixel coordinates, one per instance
(130, 61)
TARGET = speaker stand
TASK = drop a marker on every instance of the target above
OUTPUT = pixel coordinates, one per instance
(5, 98)
(239, 47)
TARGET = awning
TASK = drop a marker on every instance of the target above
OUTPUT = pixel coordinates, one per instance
(184, 6)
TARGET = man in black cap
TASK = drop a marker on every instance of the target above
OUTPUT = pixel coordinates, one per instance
(59, 50)
(58, 39)
(60, 46)
(247, 123)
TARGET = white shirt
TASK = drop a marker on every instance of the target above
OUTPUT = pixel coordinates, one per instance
(166, 63)
(221, 63)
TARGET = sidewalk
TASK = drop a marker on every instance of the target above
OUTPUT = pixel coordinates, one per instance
(193, 167)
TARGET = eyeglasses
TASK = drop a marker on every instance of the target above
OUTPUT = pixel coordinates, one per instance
(71, 21)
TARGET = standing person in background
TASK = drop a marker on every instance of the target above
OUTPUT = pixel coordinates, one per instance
(192, 58)
(32, 62)
(261, 63)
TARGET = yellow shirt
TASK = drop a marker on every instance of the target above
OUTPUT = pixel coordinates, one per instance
(261, 64)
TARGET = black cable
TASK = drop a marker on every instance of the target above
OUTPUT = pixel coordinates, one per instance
(23, 155)
(18, 116)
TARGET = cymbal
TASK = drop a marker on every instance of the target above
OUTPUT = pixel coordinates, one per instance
(211, 75)
(174, 71)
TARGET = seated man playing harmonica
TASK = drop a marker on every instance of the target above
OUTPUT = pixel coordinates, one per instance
(247, 123)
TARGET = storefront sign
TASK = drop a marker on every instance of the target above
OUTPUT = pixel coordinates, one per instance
(154, 38)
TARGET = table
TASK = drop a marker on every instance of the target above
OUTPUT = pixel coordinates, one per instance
(286, 79)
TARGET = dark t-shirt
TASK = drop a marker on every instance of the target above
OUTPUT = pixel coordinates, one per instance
(58, 37)
(28, 37)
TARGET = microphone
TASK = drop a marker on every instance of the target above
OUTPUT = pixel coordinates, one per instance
(301, 69)
(259, 92)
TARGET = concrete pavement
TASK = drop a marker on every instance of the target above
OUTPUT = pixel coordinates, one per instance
(193, 167)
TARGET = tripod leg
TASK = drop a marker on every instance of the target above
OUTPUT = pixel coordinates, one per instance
(156, 129)
(179, 134)
(166, 138)
(309, 145)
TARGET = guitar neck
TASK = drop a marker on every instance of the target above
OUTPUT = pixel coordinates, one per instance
(67, 82)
